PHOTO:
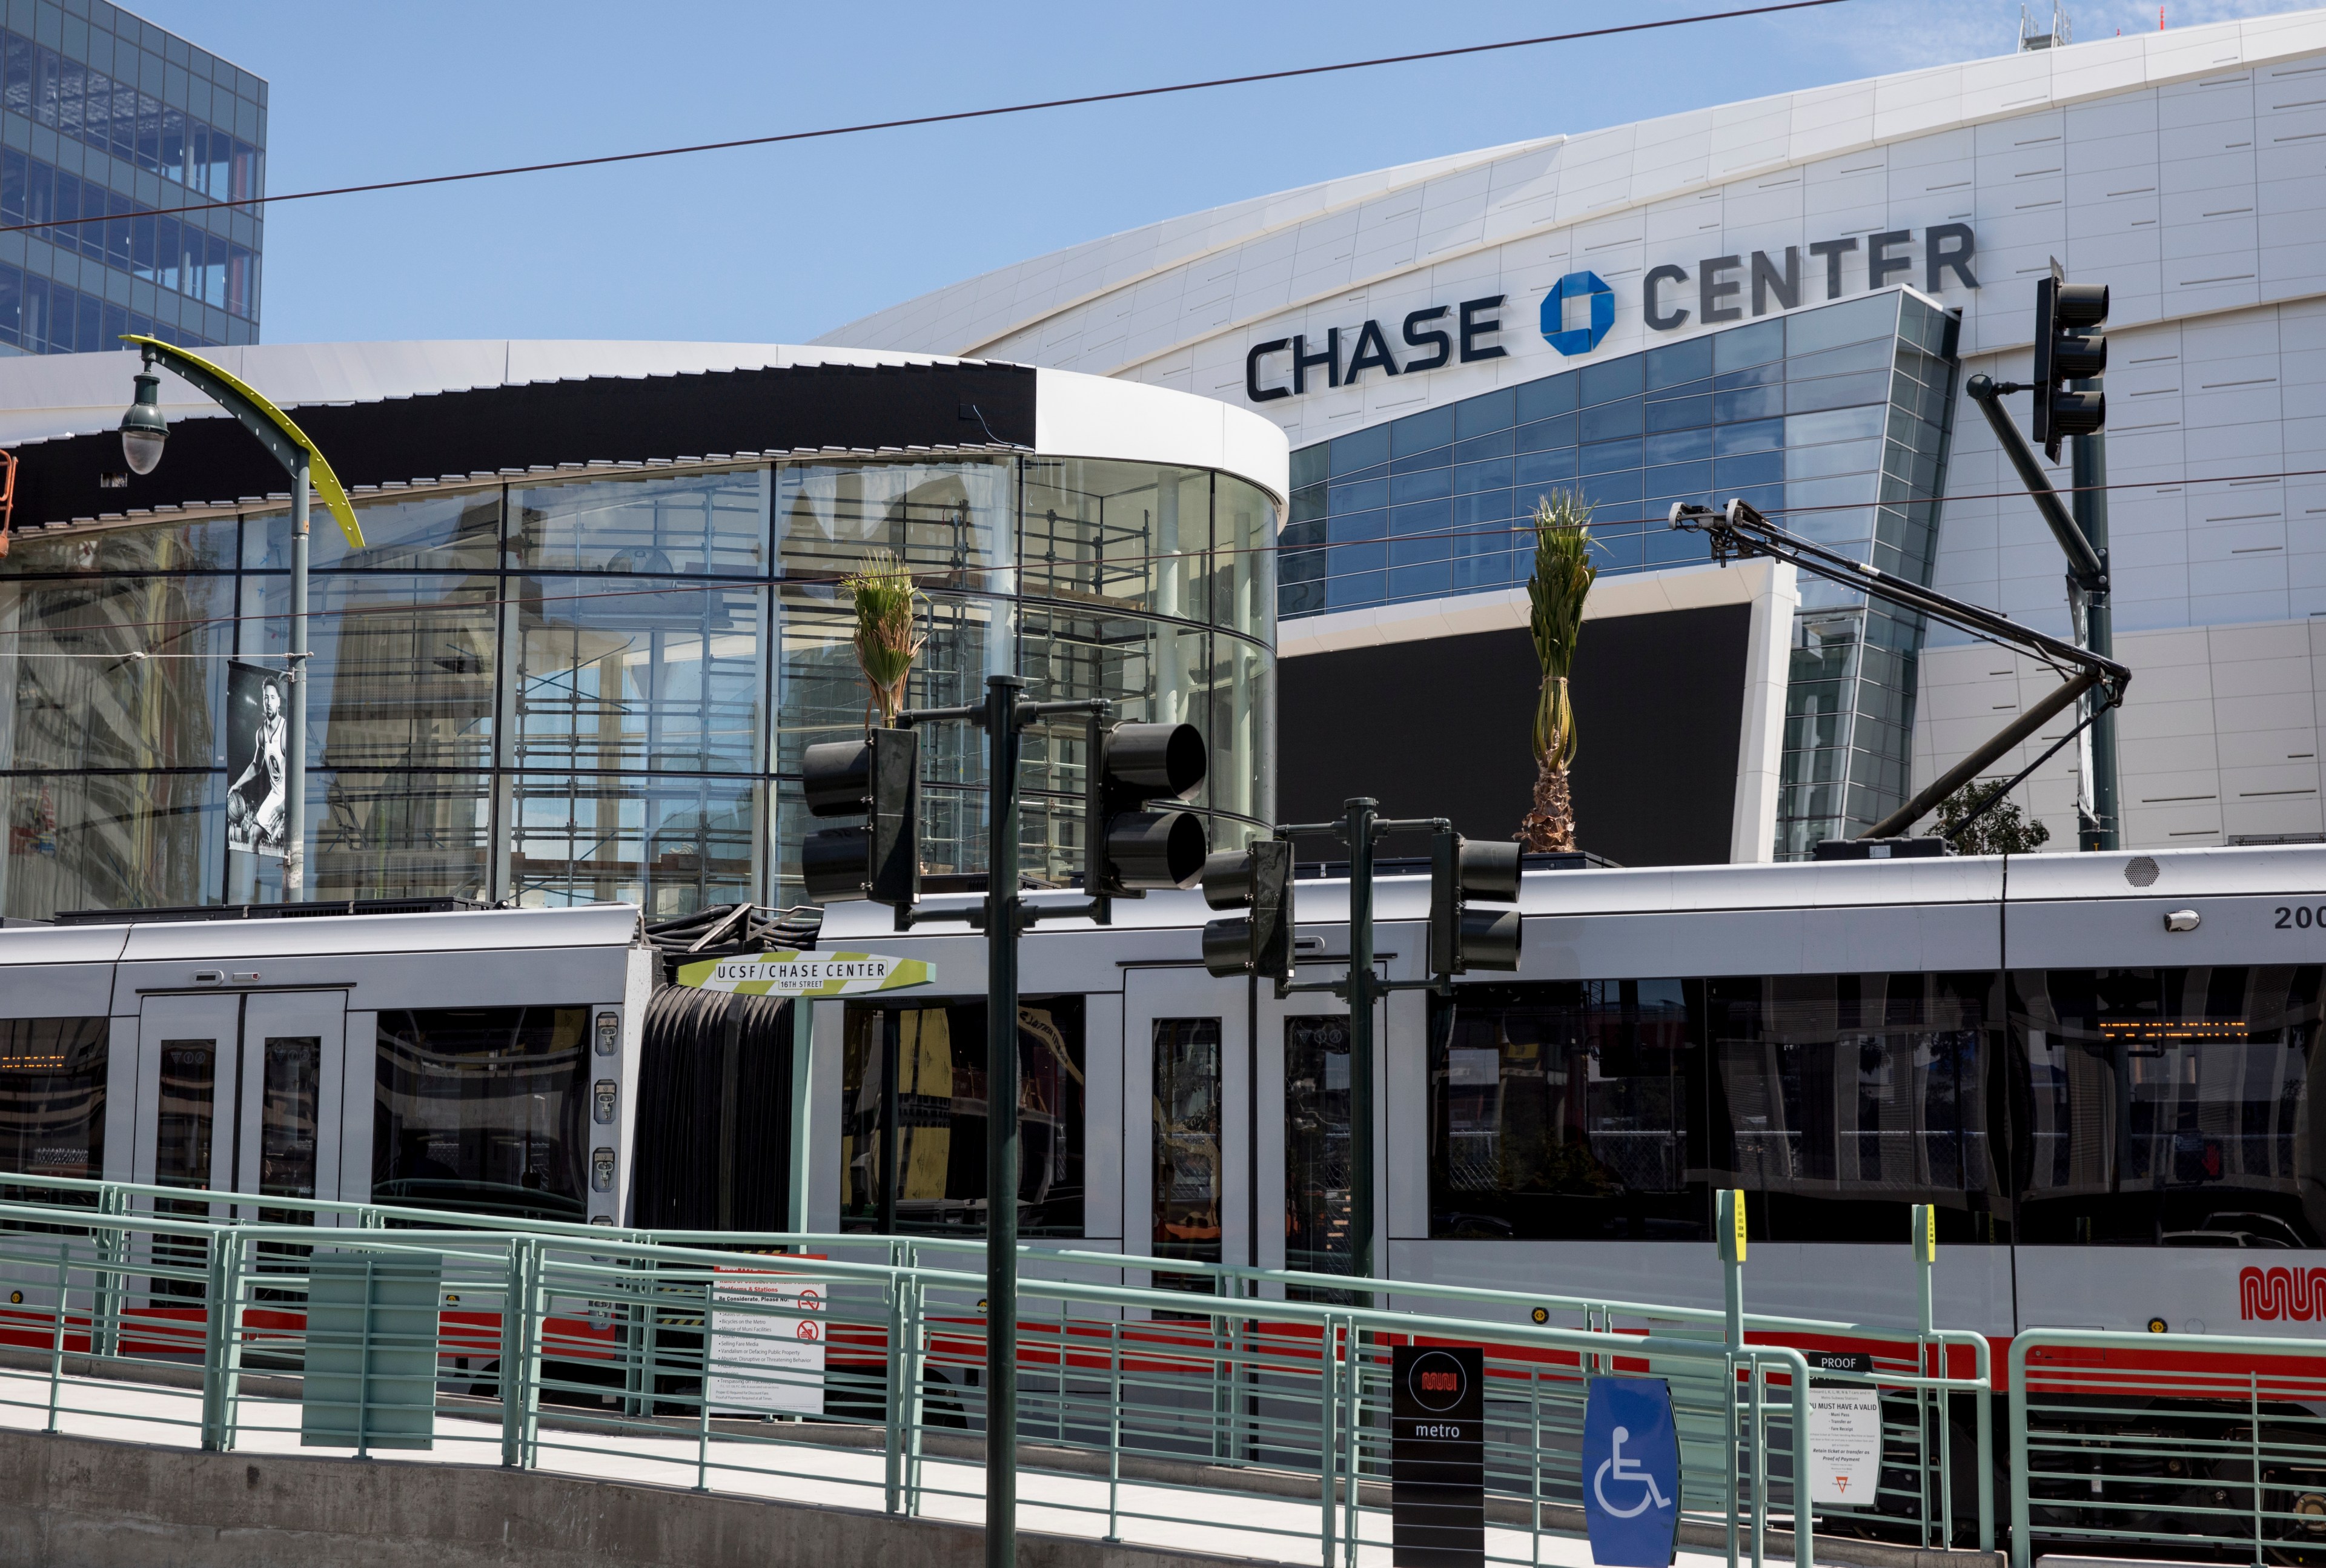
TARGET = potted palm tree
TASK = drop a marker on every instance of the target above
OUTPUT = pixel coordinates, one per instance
(885, 643)
(1563, 575)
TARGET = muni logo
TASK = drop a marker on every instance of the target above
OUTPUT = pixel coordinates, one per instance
(2297, 1293)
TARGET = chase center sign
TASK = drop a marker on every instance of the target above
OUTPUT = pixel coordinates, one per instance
(1722, 285)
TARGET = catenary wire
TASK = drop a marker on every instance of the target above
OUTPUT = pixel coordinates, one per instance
(815, 580)
(253, 203)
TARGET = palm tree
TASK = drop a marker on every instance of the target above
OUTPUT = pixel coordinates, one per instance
(1563, 575)
(886, 644)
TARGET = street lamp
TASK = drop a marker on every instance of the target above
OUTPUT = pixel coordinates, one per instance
(143, 429)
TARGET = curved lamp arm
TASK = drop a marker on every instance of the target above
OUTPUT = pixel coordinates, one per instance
(272, 426)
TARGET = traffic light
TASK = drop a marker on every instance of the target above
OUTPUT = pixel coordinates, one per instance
(1461, 939)
(2068, 347)
(877, 778)
(1132, 848)
(1258, 879)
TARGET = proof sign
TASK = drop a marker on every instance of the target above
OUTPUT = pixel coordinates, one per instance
(1631, 1472)
(1438, 1456)
(1845, 1445)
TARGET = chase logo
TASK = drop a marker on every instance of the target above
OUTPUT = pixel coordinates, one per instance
(1586, 288)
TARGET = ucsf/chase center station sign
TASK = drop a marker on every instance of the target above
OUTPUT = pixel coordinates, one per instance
(1580, 307)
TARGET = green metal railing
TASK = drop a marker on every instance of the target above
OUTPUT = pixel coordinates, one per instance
(2208, 1445)
(579, 1346)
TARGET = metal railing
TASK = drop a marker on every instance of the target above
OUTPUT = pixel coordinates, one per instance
(2202, 1444)
(1145, 1413)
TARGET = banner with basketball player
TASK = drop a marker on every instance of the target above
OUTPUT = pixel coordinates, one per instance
(257, 754)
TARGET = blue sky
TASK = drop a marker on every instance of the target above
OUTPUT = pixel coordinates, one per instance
(777, 245)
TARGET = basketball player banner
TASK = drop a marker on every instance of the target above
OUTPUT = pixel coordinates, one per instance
(257, 740)
(767, 1344)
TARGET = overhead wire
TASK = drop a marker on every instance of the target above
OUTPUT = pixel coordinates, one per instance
(953, 117)
(833, 578)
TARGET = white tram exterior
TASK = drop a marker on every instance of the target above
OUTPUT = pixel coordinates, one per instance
(483, 1060)
(2107, 1099)
(2097, 1066)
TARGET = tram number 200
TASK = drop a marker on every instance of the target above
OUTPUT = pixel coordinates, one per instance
(2302, 916)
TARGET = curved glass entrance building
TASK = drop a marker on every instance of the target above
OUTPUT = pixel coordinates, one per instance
(584, 666)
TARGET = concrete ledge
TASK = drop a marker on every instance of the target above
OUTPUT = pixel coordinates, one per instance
(79, 1502)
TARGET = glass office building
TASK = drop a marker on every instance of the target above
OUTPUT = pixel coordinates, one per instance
(1834, 421)
(108, 126)
(599, 688)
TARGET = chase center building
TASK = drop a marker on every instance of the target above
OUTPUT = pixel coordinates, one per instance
(1780, 300)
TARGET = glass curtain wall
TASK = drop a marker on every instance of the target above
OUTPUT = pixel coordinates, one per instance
(1834, 421)
(599, 689)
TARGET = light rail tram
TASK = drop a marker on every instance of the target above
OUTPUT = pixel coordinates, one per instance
(2098, 1067)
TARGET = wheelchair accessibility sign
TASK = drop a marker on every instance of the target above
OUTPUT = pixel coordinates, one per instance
(1631, 1472)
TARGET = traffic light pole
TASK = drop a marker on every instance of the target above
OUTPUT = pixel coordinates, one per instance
(1004, 716)
(1127, 850)
(1362, 987)
(2091, 517)
(1001, 904)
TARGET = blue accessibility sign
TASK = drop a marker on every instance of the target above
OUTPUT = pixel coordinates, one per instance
(1631, 1472)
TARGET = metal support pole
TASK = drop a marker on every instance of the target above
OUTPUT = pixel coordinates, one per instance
(892, 1042)
(893, 1376)
(1729, 1222)
(2022, 1555)
(1001, 1123)
(57, 1335)
(1728, 1233)
(1922, 1222)
(1360, 831)
(1937, 792)
(2090, 457)
(294, 746)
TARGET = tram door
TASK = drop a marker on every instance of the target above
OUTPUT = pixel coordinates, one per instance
(1187, 1151)
(241, 1093)
(1303, 1126)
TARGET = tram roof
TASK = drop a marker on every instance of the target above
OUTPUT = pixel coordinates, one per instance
(454, 931)
(2255, 869)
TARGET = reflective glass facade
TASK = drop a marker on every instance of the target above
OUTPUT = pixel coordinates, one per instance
(106, 123)
(600, 688)
(1834, 420)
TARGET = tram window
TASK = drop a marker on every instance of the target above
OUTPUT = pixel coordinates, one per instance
(186, 1117)
(2168, 1107)
(483, 1111)
(185, 1120)
(932, 1060)
(1187, 1143)
(1837, 1101)
(53, 1075)
(1317, 1143)
(1563, 1110)
(291, 1094)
